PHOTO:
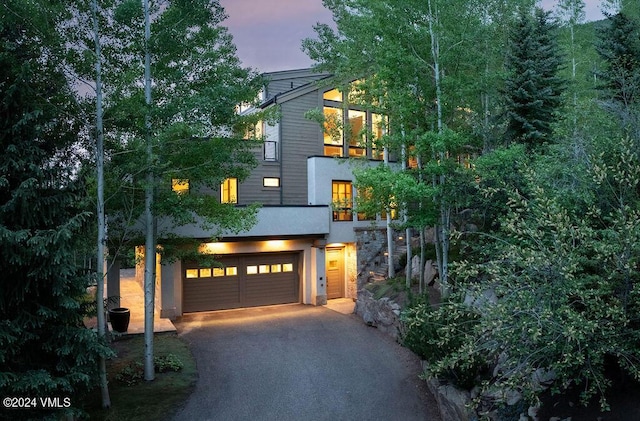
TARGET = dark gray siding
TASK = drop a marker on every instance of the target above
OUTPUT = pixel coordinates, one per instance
(280, 82)
(301, 138)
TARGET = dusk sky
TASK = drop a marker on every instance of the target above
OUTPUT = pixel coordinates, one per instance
(268, 33)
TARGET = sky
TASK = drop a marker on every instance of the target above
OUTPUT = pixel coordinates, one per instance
(268, 33)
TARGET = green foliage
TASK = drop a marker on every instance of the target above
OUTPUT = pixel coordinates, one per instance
(555, 291)
(45, 349)
(619, 48)
(533, 89)
(437, 334)
(133, 373)
(197, 134)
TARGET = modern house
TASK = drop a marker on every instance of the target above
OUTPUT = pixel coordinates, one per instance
(304, 248)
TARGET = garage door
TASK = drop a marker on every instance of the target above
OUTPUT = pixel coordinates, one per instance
(243, 281)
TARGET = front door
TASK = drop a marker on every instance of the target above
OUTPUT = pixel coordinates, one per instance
(335, 273)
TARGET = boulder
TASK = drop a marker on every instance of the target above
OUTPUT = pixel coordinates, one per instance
(453, 403)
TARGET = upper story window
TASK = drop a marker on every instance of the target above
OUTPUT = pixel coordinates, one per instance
(342, 200)
(357, 133)
(333, 136)
(229, 191)
(255, 131)
(180, 185)
(350, 130)
(333, 95)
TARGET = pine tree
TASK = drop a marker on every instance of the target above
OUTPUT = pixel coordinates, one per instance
(45, 350)
(619, 47)
(533, 89)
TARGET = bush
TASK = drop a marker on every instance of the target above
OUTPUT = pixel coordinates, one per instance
(437, 334)
(133, 372)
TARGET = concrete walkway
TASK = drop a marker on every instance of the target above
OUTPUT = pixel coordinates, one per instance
(132, 297)
(300, 362)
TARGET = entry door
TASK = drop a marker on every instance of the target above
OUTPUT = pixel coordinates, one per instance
(335, 273)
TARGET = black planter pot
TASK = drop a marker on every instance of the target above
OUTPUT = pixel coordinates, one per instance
(119, 318)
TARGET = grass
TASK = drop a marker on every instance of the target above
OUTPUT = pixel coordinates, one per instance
(146, 400)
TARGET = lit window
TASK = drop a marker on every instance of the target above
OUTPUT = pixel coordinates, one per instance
(217, 272)
(180, 185)
(271, 182)
(357, 125)
(378, 129)
(205, 273)
(192, 273)
(252, 270)
(229, 191)
(342, 199)
(254, 131)
(264, 269)
(276, 268)
(287, 267)
(333, 131)
(333, 95)
(231, 271)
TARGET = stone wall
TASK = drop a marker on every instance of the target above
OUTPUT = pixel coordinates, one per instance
(383, 313)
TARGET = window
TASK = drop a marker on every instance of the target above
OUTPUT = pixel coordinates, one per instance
(205, 273)
(229, 191)
(271, 182)
(333, 131)
(333, 95)
(349, 129)
(378, 129)
(287, 267)
(357, 138)
(252, 270)
(180, 185)
(255, 131)
(264, 269)
(270, 150)
(342, 198)
(192, 273)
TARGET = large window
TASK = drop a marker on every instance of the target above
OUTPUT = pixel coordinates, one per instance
(357, 133)
(342, 199)
(229, 191)
(350, 130)
(333, 131)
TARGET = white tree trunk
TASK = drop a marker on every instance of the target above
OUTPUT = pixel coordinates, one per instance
(391, 270)
(442, 230)
(100, 266)
(406, 219)
(150, 240)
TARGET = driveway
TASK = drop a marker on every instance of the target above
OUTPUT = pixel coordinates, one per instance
(300, 363)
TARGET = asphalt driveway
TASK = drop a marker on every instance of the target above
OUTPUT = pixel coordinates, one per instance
(299, 363)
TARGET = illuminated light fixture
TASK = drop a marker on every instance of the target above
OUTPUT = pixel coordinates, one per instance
(335, 245)
(214, 248)
(274, 244)
(400, 237)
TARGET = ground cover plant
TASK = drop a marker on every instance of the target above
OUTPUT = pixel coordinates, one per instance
(133, 398)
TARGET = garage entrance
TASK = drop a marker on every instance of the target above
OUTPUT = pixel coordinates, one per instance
(242, 281)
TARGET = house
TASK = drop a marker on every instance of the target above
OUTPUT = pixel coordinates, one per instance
(304, 248)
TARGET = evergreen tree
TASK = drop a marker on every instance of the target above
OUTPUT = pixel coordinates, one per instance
(533, 89)
(619, 47)
(45, 350)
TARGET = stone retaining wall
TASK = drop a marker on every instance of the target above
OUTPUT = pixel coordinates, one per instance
(384, 314)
